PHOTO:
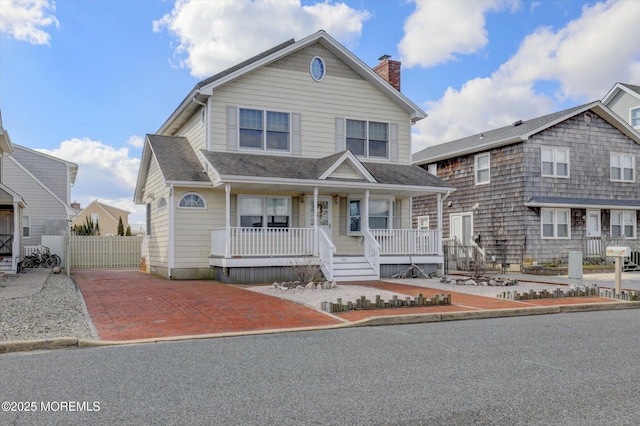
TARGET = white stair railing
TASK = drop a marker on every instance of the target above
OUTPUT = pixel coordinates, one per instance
(372, 252)
(326, 250)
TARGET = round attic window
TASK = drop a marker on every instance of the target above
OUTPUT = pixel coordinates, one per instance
(317, 68)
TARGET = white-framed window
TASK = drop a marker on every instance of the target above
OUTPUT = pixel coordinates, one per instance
(162, 203)
(623, 167)
(264, 130)
(623, 224)
(380, 212)
(368, 138)
(433, 169)
(634, 117)
(26, 226)
(555, 223)
(95, 217)
(256, 211)
(423, 222)
(192, 201)
(482, 168)
(555, 162)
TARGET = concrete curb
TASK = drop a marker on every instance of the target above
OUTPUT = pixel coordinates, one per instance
(71, 342)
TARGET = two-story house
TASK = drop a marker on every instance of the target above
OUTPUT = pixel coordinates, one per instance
(537, 189)
(11, 208)
(106, 216)
(299, 155)
(624, 100)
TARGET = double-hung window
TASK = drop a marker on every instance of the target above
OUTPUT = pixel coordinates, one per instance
(379, 215)
(555, 162)
(634, 117)
(264, 212)
(623, 224)
(482, 168)
(26, 226)
(368, 138)
(556, 223)
(265, 130)
(623, 167)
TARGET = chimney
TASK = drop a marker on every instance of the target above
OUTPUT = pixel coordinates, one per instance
(75, 205)
(389, 70)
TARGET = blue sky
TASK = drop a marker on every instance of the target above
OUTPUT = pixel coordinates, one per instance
(86, 80)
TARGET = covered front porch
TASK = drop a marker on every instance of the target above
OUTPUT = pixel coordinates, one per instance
(361, 253)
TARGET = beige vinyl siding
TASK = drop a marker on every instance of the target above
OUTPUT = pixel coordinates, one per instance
(194, 131)
(318, 103)
(53, 173)
(192, 228)
(158, 241)
(48, 215)
(108, 224)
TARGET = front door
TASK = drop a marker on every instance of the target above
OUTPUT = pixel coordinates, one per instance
(594, 233)
(462, 228)
(324, 214)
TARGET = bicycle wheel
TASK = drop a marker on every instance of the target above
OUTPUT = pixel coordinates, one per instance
(49, 262)
(57, 260)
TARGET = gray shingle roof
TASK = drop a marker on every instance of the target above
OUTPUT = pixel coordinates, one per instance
(479, 141)
(631, 87)
(240, 164)
(176, 159)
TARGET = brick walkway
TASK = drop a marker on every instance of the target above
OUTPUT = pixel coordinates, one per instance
(128, 305)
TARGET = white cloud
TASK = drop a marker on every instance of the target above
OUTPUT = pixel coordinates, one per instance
(136, 141)
(216, 35)
(584, 59)
(24, 20)
(438, 31)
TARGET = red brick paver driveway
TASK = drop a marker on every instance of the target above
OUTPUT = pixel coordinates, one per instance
(128, 305)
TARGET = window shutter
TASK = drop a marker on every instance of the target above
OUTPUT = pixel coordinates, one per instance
(343, 217)
(232, 128)
(296, 139)
(397, 214)
(341, 143)
(233, 211)
(295, 212)
(393, 141)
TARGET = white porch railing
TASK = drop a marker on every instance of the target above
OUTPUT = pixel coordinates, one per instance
(263, 242)
(372, 251)
(326, 251)
(408, 241)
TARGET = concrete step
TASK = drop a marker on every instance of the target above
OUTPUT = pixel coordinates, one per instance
(353, 268)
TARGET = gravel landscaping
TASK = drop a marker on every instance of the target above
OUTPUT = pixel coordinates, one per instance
(56, 311)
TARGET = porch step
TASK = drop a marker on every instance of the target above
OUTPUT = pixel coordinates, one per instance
(353, 269)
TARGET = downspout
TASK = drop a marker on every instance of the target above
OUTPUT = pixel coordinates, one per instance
(171, 235)
(441, 200)
(206, 119)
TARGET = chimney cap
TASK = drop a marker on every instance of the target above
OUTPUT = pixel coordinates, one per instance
(384, 57)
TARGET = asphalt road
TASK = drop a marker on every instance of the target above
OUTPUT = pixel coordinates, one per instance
(563, 369)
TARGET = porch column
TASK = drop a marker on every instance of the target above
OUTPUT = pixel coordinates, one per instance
(365, 211)
(227, 222)
(439, 198)
(17, 233)
(316, 236)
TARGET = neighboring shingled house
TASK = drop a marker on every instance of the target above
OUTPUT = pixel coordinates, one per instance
(298, 156)
(532, 191)
(104, 215)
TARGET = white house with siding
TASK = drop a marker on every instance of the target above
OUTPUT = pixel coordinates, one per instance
(301, 154)
(44, 183)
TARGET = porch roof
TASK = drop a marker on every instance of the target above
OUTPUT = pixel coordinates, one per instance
(583, 203)
(233, 166)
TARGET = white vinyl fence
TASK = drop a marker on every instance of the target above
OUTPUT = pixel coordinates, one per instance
(104, 252)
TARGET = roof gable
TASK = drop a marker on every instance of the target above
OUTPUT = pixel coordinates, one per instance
(206, 88)
(630, 89)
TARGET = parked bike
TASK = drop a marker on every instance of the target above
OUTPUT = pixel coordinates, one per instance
(42, 258)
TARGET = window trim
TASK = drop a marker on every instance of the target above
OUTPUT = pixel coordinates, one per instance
(311, 68)
(28, 219)
(476, 169)
(555, 162)
(555, 224)
(263, 207)
(621, 155)
(204, 202)
(161, 203)
(367, 140)
(389, 200)
(622, 214)
(263, 145)
(420, 221)
(631, 111)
